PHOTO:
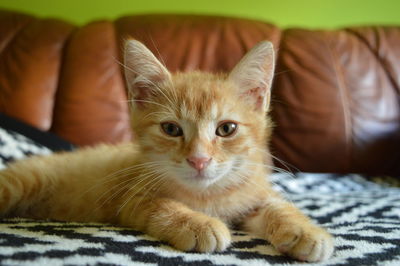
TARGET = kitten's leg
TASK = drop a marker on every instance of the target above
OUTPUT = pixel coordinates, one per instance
(176, 224)
(290, 231)
(19, 189)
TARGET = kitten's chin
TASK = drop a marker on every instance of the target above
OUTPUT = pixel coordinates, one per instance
(199, 181)
(204, 180)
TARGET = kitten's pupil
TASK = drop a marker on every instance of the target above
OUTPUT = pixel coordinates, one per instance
(226, 129)
(171, 129)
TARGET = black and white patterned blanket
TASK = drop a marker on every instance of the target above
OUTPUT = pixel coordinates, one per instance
(364, 217)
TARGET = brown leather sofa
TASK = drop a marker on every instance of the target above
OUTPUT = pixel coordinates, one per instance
(335, 94)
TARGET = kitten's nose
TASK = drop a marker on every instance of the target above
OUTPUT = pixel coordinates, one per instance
(198, 163)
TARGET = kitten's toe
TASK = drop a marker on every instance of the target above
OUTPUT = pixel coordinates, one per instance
(221, 234)
(202, 234)
(184, 240)
(306, 243)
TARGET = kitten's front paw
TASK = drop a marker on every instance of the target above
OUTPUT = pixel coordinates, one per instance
(203, 234)
(303, 242)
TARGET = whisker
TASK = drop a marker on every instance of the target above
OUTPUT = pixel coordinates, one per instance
(143, 178)
(275, 168)
(112, 176)
(282, 191)
(145, 101)
(174, 95)
(119, 190)
(158, 52)
(156, 113)
(131, 196)
(158, 180)
(120, 186)
(282, 72)
(287, 165)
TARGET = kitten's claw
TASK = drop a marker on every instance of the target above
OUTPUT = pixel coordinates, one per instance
(203, 234)
(305, 243)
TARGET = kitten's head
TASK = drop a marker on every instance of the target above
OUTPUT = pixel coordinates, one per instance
(198, 128)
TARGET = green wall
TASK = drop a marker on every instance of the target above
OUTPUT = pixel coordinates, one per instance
(286, 13)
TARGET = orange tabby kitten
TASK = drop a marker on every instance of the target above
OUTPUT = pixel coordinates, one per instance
(198, 164)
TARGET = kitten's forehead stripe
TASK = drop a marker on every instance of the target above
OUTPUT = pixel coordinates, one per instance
(197, 95)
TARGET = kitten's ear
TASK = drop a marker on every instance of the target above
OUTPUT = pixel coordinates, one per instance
(144, 74)
(253, 75)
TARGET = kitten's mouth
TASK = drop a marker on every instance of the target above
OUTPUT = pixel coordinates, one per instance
(199, 175)
(202, 179)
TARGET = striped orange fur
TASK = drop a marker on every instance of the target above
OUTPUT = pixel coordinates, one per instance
(199, 164)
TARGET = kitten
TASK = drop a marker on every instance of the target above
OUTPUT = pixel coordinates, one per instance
(199, 163)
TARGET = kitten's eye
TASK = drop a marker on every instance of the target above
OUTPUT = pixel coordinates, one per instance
(226, 129)
(171, 129)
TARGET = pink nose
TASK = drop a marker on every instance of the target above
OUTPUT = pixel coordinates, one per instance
(198, 163)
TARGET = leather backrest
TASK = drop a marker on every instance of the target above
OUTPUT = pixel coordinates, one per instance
(31, 53)
(337, 100)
